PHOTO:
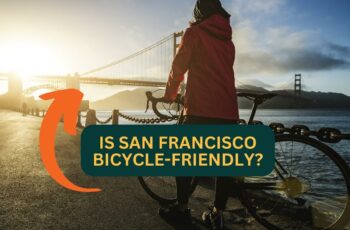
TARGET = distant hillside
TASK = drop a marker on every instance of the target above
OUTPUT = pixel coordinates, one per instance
(136, 100)
(126, 100)
(252, 88)
(308, 100)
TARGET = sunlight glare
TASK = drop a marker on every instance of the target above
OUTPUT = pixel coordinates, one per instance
(28, 58)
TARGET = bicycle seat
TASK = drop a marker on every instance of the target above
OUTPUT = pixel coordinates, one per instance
(257, 97)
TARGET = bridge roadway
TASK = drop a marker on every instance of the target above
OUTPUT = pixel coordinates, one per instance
(30, 199)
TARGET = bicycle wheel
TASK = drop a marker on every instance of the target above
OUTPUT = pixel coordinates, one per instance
(309, 187)
(163, 189)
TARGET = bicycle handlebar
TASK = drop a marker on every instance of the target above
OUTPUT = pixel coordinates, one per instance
(155, 101)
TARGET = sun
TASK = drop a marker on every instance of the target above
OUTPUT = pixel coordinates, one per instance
(28, 58)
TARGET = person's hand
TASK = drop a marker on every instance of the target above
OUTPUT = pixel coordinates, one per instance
(179, 99)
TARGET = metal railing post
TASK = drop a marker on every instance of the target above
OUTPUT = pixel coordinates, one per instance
(115, 120)
(79, 120)
(90, 118)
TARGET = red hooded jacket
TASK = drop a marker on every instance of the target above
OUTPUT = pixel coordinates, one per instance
(208, 54)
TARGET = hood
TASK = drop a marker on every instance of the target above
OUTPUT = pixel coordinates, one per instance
(217, 26)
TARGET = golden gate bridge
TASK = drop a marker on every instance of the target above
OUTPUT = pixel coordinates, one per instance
(148, 67)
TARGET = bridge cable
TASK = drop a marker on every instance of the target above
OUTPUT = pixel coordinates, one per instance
(130, 56)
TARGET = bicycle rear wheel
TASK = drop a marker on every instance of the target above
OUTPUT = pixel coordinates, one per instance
(310, 187)
(163, 189)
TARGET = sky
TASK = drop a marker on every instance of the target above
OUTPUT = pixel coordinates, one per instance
(275, 39)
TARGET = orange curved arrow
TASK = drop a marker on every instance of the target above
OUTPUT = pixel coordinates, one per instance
(66, 103)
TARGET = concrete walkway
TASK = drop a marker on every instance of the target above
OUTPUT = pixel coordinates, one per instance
(30, 199)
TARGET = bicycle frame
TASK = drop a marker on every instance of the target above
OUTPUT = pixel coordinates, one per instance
(256, 104)
(258, 100)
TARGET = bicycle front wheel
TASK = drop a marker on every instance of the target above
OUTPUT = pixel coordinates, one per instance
(308, 189)
(163, 189)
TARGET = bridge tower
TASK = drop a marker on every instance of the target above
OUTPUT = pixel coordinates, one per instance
(177, 36)
(73, 82)
(14, 96)
(177, 39)
(297, 85)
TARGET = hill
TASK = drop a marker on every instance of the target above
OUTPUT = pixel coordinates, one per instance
(136, 100)
(125, 100)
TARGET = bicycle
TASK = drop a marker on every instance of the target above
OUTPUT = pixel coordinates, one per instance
(289, 195)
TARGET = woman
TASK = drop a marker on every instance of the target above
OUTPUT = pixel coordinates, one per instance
(207, 53)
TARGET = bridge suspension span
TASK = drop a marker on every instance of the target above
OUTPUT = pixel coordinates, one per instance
(151, 64)
(148, 67)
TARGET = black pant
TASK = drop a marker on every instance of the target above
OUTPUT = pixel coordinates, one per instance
(223, 184)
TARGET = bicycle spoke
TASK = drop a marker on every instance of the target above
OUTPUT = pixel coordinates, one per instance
(283, 155)
(291, 163)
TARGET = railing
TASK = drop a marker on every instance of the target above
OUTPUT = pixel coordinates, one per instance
(92, 119)
(32, 112)
(328, 135)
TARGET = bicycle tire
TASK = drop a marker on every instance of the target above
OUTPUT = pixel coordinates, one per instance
(330, 153)
(161, 199)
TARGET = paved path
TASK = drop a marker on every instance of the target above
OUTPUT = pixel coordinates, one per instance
(30, 199)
